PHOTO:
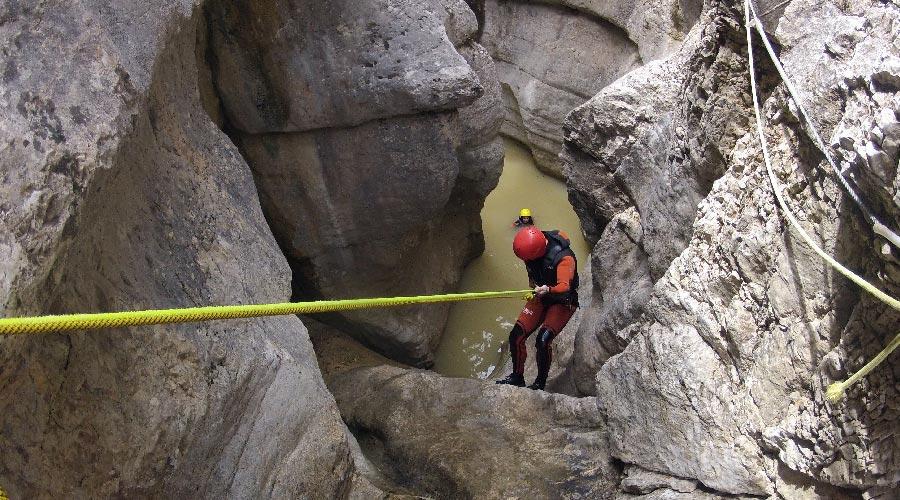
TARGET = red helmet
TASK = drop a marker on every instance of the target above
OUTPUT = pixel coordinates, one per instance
(530, 243)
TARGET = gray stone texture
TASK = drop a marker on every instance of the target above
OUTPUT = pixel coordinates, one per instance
(373, 140)
(642, 481)
(708, 336)
(639, 157)
(119, 192)
(715, 329)
(553, 56)
(286, 66)
(462, 438)
(656, 26)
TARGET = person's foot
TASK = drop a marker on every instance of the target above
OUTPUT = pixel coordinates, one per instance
(513, 379)
(538, 385)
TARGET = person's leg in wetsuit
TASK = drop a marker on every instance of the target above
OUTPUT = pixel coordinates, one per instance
(554, 321)
(529, 319)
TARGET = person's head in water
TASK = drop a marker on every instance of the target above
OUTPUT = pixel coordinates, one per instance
(525, 218)
(530, 244)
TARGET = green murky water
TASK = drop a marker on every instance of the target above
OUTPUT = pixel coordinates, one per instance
(476, 331)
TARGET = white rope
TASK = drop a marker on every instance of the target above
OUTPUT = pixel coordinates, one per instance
(877, 226)
(836, 390)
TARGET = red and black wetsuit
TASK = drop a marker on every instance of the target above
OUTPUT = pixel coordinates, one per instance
(558, 270)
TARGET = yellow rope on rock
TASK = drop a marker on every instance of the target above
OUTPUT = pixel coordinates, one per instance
(68, 322)
(3, 494)
(836, 390)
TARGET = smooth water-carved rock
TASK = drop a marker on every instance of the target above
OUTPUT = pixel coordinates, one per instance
(119, 192)
(295, 66)
(553, 56)
(550, 60)
(373, 140)
(458, 438)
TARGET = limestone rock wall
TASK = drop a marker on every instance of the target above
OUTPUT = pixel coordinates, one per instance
(553, 56)
(705, 344)
(120, 192)
(640, 157)
(713, 330)
(373, 141)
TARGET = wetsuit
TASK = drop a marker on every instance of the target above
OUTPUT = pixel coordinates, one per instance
(558, 270)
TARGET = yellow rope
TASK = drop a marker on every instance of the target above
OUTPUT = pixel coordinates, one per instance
(837, 389)
(3, 494)
(67, 322)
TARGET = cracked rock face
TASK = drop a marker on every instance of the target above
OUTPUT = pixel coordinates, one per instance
(119, 192)
(640, 157)
(713, 329)
(373, 141)
(553, 56)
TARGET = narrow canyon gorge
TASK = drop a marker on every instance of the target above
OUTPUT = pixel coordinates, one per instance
(184, 153)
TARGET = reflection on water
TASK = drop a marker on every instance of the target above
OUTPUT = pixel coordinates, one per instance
(476, 331)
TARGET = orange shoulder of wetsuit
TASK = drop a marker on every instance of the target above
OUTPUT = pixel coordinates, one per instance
(565, 271)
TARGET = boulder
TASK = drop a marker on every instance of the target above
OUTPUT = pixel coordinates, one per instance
(398, 212)
(284, 66)
(463, 438)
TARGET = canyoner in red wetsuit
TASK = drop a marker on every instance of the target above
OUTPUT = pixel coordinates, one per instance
(552, 271)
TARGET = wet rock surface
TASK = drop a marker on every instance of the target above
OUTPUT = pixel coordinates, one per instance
(398, 212)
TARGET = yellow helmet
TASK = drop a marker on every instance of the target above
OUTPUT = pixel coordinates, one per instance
(525, 212)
